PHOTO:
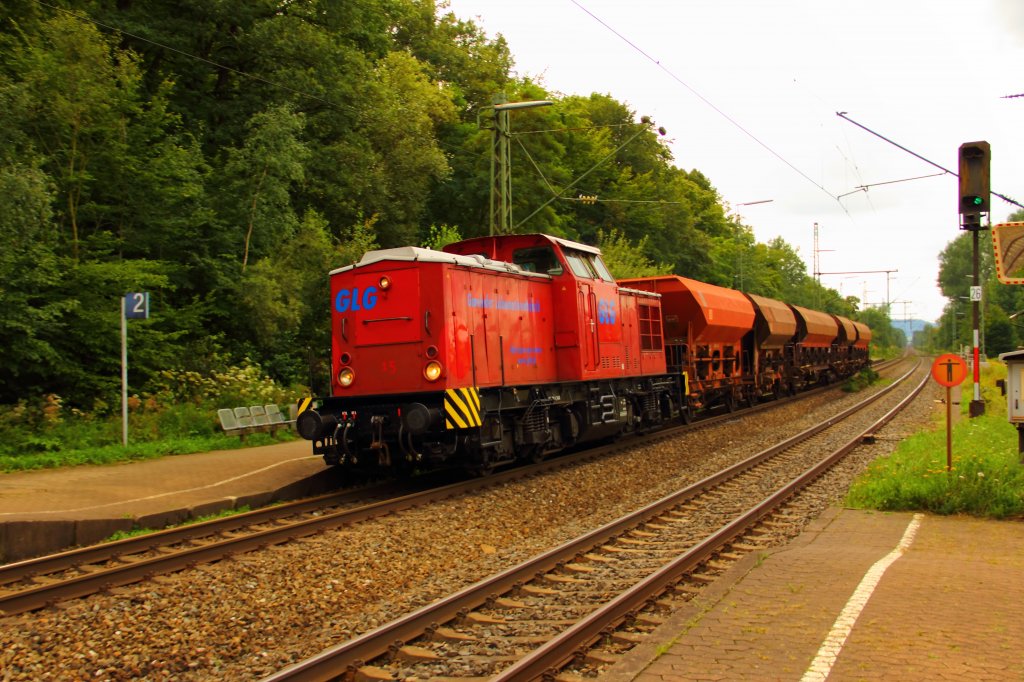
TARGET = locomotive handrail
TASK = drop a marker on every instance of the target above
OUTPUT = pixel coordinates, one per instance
(404, 318)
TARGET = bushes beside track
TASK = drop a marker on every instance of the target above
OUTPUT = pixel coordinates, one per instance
(179, 418)
(860, 380)
(987, 478)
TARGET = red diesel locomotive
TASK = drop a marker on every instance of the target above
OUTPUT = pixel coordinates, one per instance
(513, 347)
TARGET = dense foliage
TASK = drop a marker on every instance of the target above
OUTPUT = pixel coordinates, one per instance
(224, 155)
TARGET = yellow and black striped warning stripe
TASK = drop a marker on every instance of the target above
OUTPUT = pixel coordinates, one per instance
(304, 404)
(462, 408)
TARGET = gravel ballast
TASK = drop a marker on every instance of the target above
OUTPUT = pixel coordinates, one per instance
(250, 616)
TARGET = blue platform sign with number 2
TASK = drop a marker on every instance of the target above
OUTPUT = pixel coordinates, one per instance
(136, 305)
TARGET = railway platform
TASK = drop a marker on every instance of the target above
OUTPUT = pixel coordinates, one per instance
(45, 511)
(857, 596)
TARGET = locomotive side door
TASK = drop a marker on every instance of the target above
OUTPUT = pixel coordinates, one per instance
(589, 319)
(609, 327)
(599, 311)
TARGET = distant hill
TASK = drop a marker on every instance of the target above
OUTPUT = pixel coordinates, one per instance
(911, 326)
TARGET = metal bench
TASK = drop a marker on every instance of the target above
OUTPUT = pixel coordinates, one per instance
(242, 421)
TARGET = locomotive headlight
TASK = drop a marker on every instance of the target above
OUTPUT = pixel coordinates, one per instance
(346, 376)
(432, 371)
(384, 282)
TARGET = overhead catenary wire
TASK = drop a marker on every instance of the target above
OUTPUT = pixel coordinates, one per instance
(893, 182)
(567, 130)
(643, 127)
(842, 115)
(709, 103)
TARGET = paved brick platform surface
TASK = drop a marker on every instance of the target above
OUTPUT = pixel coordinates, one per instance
(951, 607)
(45, 511)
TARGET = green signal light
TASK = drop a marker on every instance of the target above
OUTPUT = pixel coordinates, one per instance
(976, 201)
(973, 201)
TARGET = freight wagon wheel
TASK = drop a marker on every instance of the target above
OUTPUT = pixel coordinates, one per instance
(776, 390)
(730, 404)
(752, 397)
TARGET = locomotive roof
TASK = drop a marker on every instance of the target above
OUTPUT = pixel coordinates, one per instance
(418, 254)
(574, 245)
(564, 243)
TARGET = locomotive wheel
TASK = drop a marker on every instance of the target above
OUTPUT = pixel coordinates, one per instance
(403, 468)
(533, 453)
(479, 461)
(481, 470)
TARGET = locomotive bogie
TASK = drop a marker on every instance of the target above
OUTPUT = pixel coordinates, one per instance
(486, 427)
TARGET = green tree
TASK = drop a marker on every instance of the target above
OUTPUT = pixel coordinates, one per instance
(260, 175)
(81, 90)
(79, 151)
(625, 259)
(440, 237)
(409, 110)
(999, 332)
(283, 298)
(31, 316)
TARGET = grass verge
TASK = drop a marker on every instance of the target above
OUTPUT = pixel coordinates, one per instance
(987, 478)
(112, 454)
(135, 532)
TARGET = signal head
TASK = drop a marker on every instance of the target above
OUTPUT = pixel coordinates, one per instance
(975, 159)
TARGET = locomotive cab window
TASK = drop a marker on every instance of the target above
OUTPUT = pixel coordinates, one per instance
(601, 268)
(538, 259)
(588, 265)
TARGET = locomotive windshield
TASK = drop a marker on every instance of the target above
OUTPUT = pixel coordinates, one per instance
(538, 259)
(588, 265)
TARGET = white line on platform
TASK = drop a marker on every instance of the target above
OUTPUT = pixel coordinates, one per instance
(822, 664)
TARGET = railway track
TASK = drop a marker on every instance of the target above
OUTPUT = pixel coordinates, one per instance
(532, 620)
(36, 583)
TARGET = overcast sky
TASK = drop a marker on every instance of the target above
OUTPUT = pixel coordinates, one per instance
(927, 74)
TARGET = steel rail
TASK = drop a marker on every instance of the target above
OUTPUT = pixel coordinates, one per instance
(108, 551)
(559, 651)
(216, 547)
(346, 658)
(127, 573)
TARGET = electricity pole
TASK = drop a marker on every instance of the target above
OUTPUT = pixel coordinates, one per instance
(501, 161)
